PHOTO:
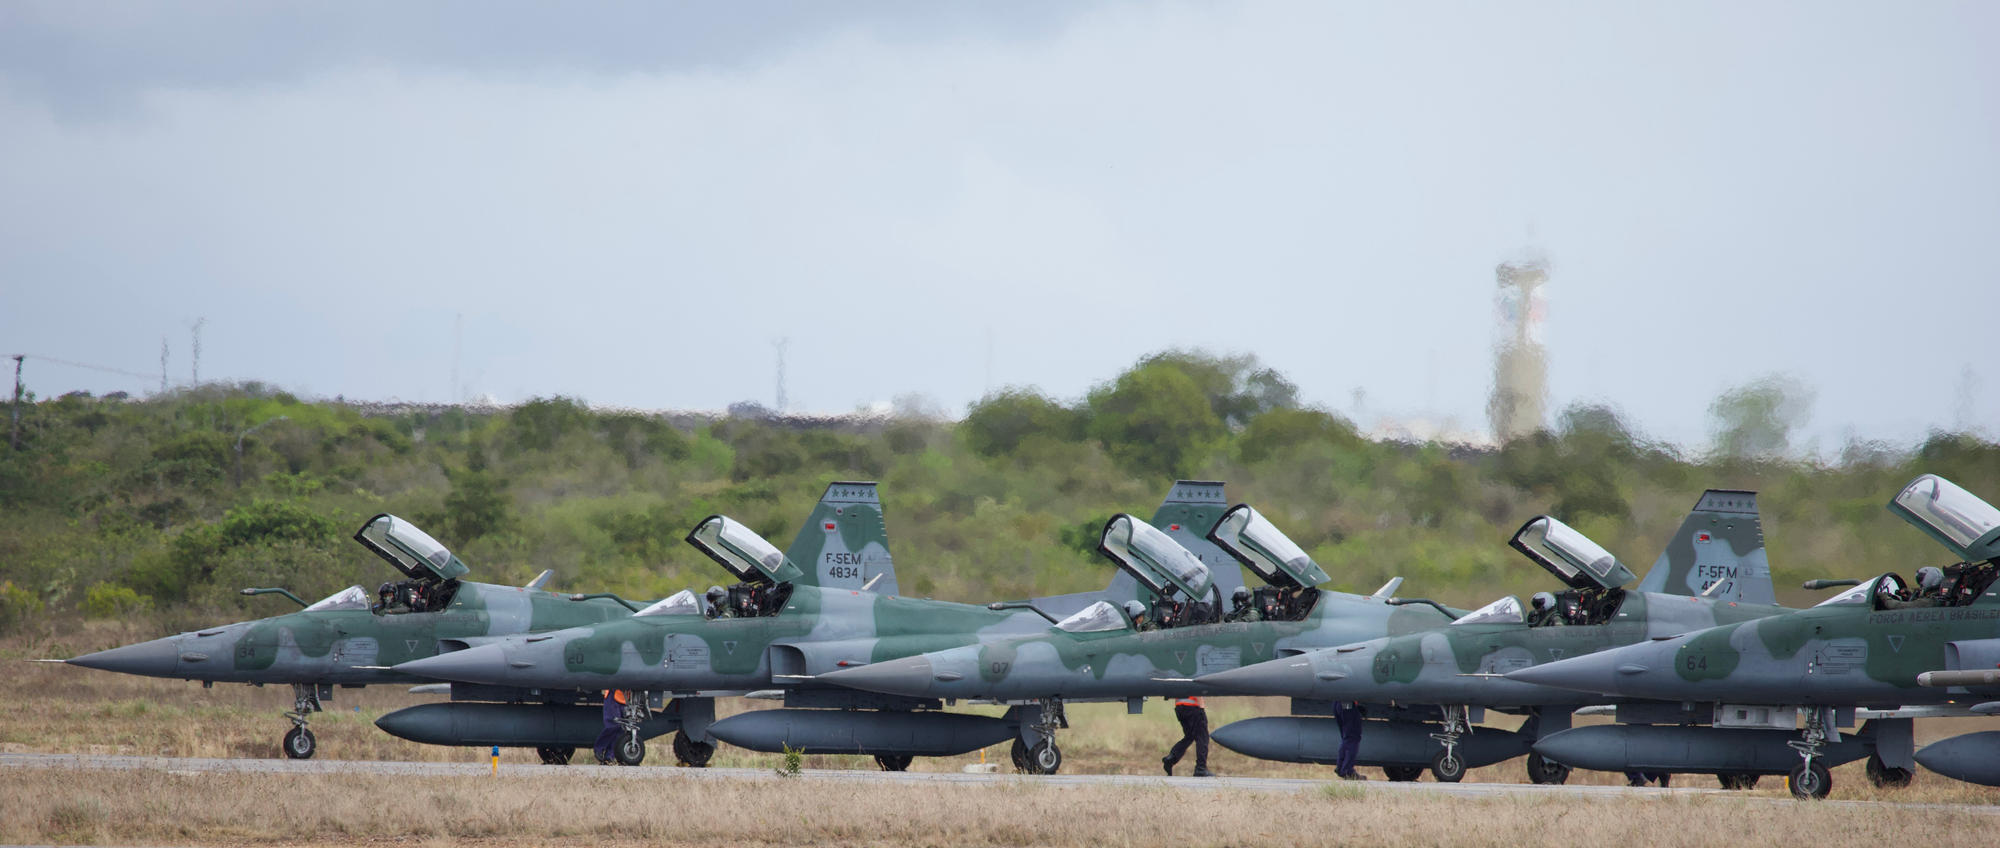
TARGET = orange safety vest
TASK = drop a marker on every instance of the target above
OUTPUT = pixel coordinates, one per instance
(1189, 701)
(616, 694)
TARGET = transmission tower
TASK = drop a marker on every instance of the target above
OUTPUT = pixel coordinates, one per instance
(163, 365)
(195, 331)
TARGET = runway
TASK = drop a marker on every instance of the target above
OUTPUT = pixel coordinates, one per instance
(1268, 785)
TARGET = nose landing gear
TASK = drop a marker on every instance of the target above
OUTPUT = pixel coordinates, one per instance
(299, 743)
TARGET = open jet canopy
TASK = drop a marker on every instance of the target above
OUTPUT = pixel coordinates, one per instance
(1507, 610)
(1571, 556)
(1154, 558)
(1970, 527)
(410, 550)
(1261, 546)
(742, 551)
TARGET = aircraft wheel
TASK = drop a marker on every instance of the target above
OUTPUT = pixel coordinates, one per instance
(1402, 774)
(1545, 771)
(630, 750)
(894, 762)
(691, 753)
(1044, 758)
(1020, 755)
(1447, 767)
(299, 744)
(1809, 781)
(555, 756)
(1886, 777)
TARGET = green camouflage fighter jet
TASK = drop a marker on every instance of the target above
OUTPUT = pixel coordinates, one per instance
(783, 627)
(1712, 569)
(1880, 651)
(1107, 653)
(343, 640)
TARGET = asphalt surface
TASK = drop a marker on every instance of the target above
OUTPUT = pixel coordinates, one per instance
(195, 765)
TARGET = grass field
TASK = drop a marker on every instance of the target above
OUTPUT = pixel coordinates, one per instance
(62, 709)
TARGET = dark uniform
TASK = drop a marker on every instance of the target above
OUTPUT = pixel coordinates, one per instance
(1348, 714)
(1194, 731)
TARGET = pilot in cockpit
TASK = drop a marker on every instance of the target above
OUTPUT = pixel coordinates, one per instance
(1544, 610)
(718, 602)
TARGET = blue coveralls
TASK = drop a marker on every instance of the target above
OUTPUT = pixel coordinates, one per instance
(607, 739)
(1348, 714)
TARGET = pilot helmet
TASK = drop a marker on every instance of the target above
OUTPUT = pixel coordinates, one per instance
(1242, 593)
(385, 589)
(1930, 577)
(715, 592)
(1543, 600)
(1135, 609)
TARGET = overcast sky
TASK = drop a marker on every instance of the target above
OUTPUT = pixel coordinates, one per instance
(629, 202)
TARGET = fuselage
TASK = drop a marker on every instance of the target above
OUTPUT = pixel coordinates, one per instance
(1123, 663)
(339, 646)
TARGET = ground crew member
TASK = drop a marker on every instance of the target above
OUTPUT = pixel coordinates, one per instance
(1348, 714)
(607, 739)
(1194, 731)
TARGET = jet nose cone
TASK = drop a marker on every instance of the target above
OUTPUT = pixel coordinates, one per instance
(1293, 676)
(1600, 673)
(483, 664)
(152, 659)
(912, 676)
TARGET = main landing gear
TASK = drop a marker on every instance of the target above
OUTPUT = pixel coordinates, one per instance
(555, 756)
(1449, 766)
(299, 743)
(697, 754)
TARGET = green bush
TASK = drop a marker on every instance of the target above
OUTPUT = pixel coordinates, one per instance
(16, 606)
(104, 600)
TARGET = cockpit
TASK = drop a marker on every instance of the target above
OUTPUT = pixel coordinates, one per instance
(1595, 578)
(1955, 585)
(431, 568)
(765, 574)
(1289, 573)
(1964, 524)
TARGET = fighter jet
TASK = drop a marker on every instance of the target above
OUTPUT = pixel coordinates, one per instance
(1882, 650)
(781, 629)
(1107, 653)
(343, 640)
(1712, 570)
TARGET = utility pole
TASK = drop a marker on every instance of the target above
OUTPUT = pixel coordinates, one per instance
(781, 344)
(457, 345)
(14, 440)
(163, 365)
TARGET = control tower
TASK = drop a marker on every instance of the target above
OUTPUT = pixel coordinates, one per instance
(1520, 363)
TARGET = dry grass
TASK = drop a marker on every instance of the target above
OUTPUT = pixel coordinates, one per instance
(165, 808)
(61, 709)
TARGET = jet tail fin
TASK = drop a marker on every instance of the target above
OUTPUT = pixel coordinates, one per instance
(541, 580)
(844, 543)
(1718, 552)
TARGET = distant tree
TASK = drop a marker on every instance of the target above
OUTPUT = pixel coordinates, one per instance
(1237, 387)
(1277, 430)
(475, 506)
(1755, 421)
(1154, 419)
(998, 423)
(537, 424)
